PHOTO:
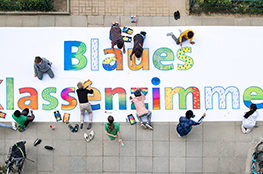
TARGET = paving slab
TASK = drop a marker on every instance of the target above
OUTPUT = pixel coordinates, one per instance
(46, 21)
(79, 21)
(95, 20)
(14, 21)
(63, 21)
(30, 21)
(161, 21)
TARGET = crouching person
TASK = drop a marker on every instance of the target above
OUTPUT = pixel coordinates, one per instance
(23, 119)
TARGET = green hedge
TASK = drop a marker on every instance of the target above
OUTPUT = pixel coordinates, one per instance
(228, 6)
(26, 5)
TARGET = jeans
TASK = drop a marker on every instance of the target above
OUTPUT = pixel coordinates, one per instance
(5, 126)
(148, 115)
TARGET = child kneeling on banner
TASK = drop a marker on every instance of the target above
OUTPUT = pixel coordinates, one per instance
(185, 123)
(141, 111)
(113, 130)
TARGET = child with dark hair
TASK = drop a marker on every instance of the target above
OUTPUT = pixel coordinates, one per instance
(185, 123)
(22, 118)
(112, 129)
(116, 37)
(188, 34)
(141, 110)
(41, 66)
(249, 119)
(138, 45)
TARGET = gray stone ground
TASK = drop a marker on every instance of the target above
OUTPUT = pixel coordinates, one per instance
(211, 148)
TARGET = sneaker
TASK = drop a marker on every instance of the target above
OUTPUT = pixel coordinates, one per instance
(14, 126)
(71, 128)
(243, 129)
(76, 128)
(86, 137)
(89, 126)
(49, 147)
(143, 126)
(91, 135)
(81, 126)
(37, 141)
(149, 126)
(21, 129)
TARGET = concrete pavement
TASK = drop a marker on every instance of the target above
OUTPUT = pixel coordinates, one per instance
(211, 148)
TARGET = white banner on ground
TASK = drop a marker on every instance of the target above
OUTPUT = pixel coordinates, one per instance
(220, 73)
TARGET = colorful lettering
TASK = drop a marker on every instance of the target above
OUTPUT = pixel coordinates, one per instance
(109, 93)
(53, 102)
(94, 54)
(69, 55)
(32, 98)
(169, 93)
(163, 54)
(253, 93)
(118, 65)
(209, 93)
(144, 64)
(10, 93)
(96, 97)
(65, 96)
(188, 60)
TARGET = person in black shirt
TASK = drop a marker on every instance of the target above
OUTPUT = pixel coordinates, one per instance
(84, 104)
(138, 44)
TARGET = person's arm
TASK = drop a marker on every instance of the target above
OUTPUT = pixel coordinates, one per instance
(90, 91)
(199, 121)
(124, 51)
(30, 118)
(112, 47)
(111, 134)
(132, 54)
(35, 70)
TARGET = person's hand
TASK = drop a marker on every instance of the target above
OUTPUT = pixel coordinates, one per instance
(35, 75)
(192, 43)
(51, 63)
(31, 112)
(120, 140)
(130, 97)
(181, 44)
(124, 51)
(204, 114)
(140, 89)
(89, 87)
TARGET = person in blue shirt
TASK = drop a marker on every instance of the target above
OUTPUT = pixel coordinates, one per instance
(185, 124)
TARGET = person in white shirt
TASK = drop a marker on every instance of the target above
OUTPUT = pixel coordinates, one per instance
(249, 119)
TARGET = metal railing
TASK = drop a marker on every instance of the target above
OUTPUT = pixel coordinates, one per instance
(226, 6)
(26, 5)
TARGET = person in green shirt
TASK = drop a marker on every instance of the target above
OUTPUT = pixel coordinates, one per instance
(113, 130)
(22, 118)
